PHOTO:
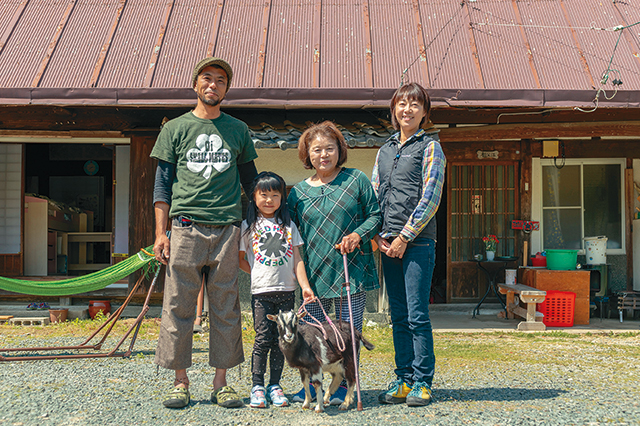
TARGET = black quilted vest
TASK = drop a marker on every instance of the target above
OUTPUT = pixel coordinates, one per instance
(400, 178)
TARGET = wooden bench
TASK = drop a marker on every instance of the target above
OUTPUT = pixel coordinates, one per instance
(629, 301)
(529, 295)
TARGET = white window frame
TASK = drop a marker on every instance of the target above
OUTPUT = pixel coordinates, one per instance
(536, 203)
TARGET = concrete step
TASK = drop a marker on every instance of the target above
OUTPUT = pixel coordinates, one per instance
(76, 311)
(30, 321)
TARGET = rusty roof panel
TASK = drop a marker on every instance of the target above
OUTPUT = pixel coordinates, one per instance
(188, 34)
(238, 40)
(77, 51)
(394, 43)
(29, 42)
(9, 15)
(555, 52)
(599, 44)
(343, 50)
(290, 45)
(446, 34)
(501, 49)
(131, 50)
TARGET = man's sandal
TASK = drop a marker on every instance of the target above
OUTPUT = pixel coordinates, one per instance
(226, 397)
(178, 398)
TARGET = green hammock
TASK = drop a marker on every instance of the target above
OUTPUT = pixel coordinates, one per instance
(82, 284)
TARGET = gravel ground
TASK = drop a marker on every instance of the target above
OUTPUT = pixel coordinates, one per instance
(581, 380)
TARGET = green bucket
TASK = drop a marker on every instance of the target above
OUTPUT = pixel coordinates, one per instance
(561, 260)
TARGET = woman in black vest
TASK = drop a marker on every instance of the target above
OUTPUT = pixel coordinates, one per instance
(408, 177)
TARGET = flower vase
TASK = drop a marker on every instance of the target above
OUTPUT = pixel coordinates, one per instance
(491, 255)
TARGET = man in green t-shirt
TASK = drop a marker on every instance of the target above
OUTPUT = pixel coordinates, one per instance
(204, 156)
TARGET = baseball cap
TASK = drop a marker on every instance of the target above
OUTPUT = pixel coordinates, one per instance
(206, 62)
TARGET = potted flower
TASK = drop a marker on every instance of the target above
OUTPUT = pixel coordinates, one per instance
(490, 246)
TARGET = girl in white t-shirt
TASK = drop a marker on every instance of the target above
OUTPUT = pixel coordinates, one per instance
(270, 241)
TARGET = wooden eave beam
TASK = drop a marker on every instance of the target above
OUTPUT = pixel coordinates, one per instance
(266, 14)
(54, 43)
(153, 62)
(11, 25)
(540, 130)
(217, 18)
(104, 52)
(57, 134)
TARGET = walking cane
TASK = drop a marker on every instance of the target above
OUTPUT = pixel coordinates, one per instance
(353, 333)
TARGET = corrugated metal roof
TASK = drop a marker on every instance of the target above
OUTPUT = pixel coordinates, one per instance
(285, 51)
(556, 56)
(447, 39)
(290, 30)
(395, 44)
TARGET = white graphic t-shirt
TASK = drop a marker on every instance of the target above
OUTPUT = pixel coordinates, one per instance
(270, 253)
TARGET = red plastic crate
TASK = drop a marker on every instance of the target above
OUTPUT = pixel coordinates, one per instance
(558, 308)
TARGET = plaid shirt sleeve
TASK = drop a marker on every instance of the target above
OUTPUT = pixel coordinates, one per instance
(433, 167)
(375, 178)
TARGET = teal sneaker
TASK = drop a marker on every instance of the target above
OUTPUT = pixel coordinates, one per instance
(420, 395)
(396, 394)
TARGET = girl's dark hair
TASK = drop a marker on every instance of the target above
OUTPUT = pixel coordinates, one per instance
(411, 92)
(268, 181)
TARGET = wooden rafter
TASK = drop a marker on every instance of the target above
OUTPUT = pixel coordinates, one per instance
(525, 39)
(211, 48)
(266, 13)
(54, 43)
(104, 52)
(153, 62)
(424, 68)
(366, 18)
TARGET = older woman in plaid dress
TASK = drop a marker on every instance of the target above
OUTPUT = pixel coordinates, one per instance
(336, 205)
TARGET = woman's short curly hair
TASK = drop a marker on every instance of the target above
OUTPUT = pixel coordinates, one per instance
(328, 130)
(411, 92)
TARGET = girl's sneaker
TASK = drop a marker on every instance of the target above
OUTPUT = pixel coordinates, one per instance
(276, 396)
(258, 399)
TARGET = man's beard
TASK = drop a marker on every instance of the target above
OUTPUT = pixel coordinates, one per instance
(211, 102)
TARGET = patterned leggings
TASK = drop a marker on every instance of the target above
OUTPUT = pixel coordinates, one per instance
(266, 343)
(358, 303)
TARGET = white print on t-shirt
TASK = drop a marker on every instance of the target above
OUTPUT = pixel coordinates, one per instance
(268, 246)
(209, 154)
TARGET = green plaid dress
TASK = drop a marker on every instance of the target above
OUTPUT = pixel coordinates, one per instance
(327, 213)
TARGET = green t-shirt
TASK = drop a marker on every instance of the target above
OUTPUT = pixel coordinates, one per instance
(206, 154)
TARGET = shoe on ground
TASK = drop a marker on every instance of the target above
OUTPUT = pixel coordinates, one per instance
(32, 306)
(226, 397)
(338, 396)
(420, 395)
(396, 394)
(197, 328)
(258, 399)
(276, 396)
(299, 397)
(178, 397)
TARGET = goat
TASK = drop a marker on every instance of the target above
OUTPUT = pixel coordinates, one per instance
(305, 348)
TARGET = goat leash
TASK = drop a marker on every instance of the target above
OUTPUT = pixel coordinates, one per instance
(339, 339)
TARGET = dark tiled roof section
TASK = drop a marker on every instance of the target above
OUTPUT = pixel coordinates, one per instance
(357, 134)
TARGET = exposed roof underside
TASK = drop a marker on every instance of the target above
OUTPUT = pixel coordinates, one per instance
(300, 53)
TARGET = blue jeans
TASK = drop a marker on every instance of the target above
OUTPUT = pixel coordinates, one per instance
(408, 283)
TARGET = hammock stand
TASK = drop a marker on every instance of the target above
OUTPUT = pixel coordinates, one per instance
(85, 345)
